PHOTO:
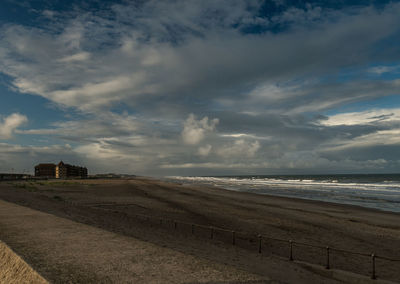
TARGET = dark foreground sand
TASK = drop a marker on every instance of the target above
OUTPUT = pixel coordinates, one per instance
(66, 251)
(112, 205)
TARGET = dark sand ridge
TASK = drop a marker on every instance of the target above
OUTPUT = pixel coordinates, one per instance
(107, 204)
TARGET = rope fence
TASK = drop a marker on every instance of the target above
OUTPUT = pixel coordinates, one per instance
(328, 257)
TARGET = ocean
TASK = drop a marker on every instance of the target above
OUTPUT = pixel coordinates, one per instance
(379, 191)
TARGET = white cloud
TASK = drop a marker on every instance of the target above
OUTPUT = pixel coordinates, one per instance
(379, 70)
(240, 148)
(194, 130)
(378, 138)
(103, 125)
(25, 158)
(246, 135)
(309, 163)
(205, 150)
(215, 165)
(374, 116)
(120, 155)
(10, 124)
(81, 56)
(49, 14)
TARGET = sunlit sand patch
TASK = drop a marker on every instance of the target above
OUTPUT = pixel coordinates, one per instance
(14, 269)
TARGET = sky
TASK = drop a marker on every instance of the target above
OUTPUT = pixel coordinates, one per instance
(207, 87)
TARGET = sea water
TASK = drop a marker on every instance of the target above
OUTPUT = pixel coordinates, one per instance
(379, 191)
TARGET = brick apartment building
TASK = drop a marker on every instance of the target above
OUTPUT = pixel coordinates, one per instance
(45, 170)
(66, 170)
(61, 170)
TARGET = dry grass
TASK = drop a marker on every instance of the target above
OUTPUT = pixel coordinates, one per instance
(13, 269)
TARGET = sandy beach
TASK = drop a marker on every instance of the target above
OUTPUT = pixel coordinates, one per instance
(113, 206)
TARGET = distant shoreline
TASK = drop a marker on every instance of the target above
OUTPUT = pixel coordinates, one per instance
(379, 191)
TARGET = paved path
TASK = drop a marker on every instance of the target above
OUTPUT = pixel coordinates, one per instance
(64, 251)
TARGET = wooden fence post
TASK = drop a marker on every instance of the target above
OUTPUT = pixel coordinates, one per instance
(291, 250)
(327, 258)
(259, 243)
(211, 232)
(373, 276)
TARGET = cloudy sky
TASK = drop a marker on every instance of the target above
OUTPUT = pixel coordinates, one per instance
(201, 87)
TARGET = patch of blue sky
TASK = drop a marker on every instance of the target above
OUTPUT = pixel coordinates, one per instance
(373, 71)
(387, 102)
(336, 4)
(271, 9)
(36, 13)
(377, 72)
(388, 47)
(40, 112)
(122, 108)
(14, 12)
(39, 140)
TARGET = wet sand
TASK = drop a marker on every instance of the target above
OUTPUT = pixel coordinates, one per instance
(112, 205)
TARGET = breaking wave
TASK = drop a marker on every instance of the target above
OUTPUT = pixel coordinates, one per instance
(372, 191)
